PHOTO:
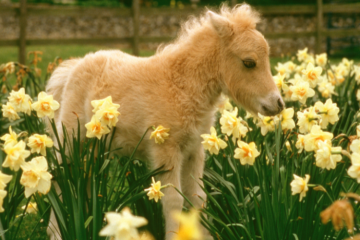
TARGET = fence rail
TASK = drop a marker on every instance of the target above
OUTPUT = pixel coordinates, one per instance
(23, 11)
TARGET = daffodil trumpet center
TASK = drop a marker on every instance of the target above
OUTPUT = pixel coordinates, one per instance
(313, 119)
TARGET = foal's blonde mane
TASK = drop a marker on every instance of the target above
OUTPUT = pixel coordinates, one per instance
(241, 16)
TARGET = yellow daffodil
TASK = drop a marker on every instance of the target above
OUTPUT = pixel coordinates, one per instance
(355, 146)
(329, 112)
(212, 142)
(97, 104)
(311, 74)
(282, 70)
(267, 124)
(302, 54)
(9, 112)
(10, 138)
(246, 153)
(307, 119)
(224, 104)
(326, 88)
(347, 63)
(3, 194)
(300, 185)
(154, 191)
(327, 156)
(358, 131)
(95, 128)
(20, 101)
(300, 143)
(35, 176)
(290, 67)
(4, 179)
(31, 207)
(301, 91)
(316, 136)
(189, 226)
(280, 83)
(122, 226)
(287, 121)
(231, 124)
(341, 71)
(356, 72)
(45, 105)
(160, 134)
(16, 155)
(354, 170)
(39, 143)
(108, 113)
(321, 59)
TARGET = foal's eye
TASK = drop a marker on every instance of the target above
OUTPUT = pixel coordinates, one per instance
(249, 63)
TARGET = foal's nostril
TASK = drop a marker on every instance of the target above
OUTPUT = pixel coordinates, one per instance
(280, 104)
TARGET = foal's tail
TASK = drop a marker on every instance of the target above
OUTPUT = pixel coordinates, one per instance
(56, 84)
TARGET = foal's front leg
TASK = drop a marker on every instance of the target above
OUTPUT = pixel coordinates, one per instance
(171, 158)
(192, 171)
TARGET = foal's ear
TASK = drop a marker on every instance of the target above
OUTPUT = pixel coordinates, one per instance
(221, 24)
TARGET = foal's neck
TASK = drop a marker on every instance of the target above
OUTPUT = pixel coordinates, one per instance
(195, 64)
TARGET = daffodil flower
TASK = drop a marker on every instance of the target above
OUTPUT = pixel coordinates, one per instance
(38, 143)
(301, 91)
(231, 124)
(246, 153)
(4, 180)
(300, 185)
(20, 101)
(3, 194)
(326, 156)
(316, 136)
(10, 138)
(95, 128)
(45, 105)
(287, 121)
(16, 155)
(122, 226)
(212, 142)
(329, 112)
(108, 113)
(307, 119)
(9, 112)
(321, 59)
(154, 191)
(354, 170)
(35, 176)
(160, 134)
(189, 226)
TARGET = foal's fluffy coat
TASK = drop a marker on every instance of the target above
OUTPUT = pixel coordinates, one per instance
(178, 88)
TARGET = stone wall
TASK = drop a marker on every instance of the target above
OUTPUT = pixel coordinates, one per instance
(162, 25)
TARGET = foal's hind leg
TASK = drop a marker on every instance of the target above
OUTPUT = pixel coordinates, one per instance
(191, 184)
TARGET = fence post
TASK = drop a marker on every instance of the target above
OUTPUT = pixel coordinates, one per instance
(319, 23)
(22, 33)
(136, 21)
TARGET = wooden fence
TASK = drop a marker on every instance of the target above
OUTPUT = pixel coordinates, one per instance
(23, 11)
